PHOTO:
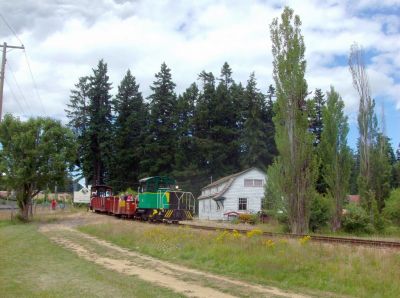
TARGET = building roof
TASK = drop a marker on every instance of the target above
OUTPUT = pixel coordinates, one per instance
(228, 179)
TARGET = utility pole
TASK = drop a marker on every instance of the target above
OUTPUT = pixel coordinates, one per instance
(3, 71)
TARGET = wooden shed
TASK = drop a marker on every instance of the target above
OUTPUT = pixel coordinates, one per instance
(242, 192)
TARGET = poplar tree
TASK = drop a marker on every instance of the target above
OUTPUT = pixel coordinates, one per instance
(335, 154)
(296, 164)
(129, 133)
(366, 125)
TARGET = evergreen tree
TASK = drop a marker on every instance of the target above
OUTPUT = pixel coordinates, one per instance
(100, 124)
(78, 114)
(381, 170)
(316, 121)
(202, 123)
(268, 115)
(224, 155)
(186, 167)
(185, 109)
(160, 142)
(255, 133)
(90, 118)
(354, 172)
(335, 154)
(129, 134)
(296, 163)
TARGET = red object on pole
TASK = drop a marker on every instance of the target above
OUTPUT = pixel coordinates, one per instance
(53, 204)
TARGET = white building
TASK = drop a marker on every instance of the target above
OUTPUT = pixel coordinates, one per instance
(241, 192)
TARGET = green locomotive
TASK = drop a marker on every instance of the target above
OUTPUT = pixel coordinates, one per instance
(160, 199)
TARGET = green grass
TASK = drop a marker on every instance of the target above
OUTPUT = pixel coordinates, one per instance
(32, 266)
(361, 272)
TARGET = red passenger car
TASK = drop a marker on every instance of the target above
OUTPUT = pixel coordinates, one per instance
(102, 200)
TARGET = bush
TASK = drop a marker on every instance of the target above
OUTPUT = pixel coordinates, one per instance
(392, 208)
(320, 212)
(356, 220)
(245, 217)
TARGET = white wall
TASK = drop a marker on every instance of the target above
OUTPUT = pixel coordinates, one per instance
(208, 210)
(237, 190)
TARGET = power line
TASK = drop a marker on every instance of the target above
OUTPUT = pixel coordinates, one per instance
(11, 29)
(19, 88)
(27, 62)
(34, 82)
(15, 98)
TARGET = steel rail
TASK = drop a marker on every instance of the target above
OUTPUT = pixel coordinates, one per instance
(314, 238)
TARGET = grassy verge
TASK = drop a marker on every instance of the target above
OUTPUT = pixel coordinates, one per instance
(32, 266)
(295, 265)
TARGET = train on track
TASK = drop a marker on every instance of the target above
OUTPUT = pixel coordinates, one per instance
(158, 200)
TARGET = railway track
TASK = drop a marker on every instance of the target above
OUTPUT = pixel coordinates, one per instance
(314, 238)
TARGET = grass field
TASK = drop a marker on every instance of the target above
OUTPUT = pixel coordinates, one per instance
(295, 265)
(32, 266)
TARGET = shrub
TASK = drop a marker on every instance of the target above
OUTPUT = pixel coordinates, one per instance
(320, 212)
(392, 208)
(356, 220)
(245, 217)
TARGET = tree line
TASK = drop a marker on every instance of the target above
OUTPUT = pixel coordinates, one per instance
(315, 168)
(216, 127)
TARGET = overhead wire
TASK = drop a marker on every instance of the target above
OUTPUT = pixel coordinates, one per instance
(18, 86)
(15, 98)
(11, 29)
(27, 62)
(34, 83)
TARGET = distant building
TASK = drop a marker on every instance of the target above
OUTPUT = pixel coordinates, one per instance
(242, 192)
(354, 199)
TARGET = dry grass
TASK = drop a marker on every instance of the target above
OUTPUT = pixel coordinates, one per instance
(293, 264)
(32, 266)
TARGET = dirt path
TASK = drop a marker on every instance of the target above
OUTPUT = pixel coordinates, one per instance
(183, 280)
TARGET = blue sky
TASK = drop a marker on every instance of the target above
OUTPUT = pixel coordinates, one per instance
(65, 39)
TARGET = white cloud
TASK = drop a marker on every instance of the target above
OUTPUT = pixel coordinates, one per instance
(67, 38)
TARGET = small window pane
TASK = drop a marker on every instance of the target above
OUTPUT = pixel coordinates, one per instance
(242, 203)
(248, 182)
(258, 183)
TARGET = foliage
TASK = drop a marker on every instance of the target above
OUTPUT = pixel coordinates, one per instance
(381, 170)
(356, 219)
(320, 211)
(335, 154)
(367, 124)
(316, 115)
(160, 141)
(296, 162)
(90, 119)
(255, 135)
(36, 154)
(129, 131)
(392, 208)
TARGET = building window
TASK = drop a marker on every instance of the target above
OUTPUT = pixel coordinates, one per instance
(253, 182)
(242, 203)
(204, 206)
